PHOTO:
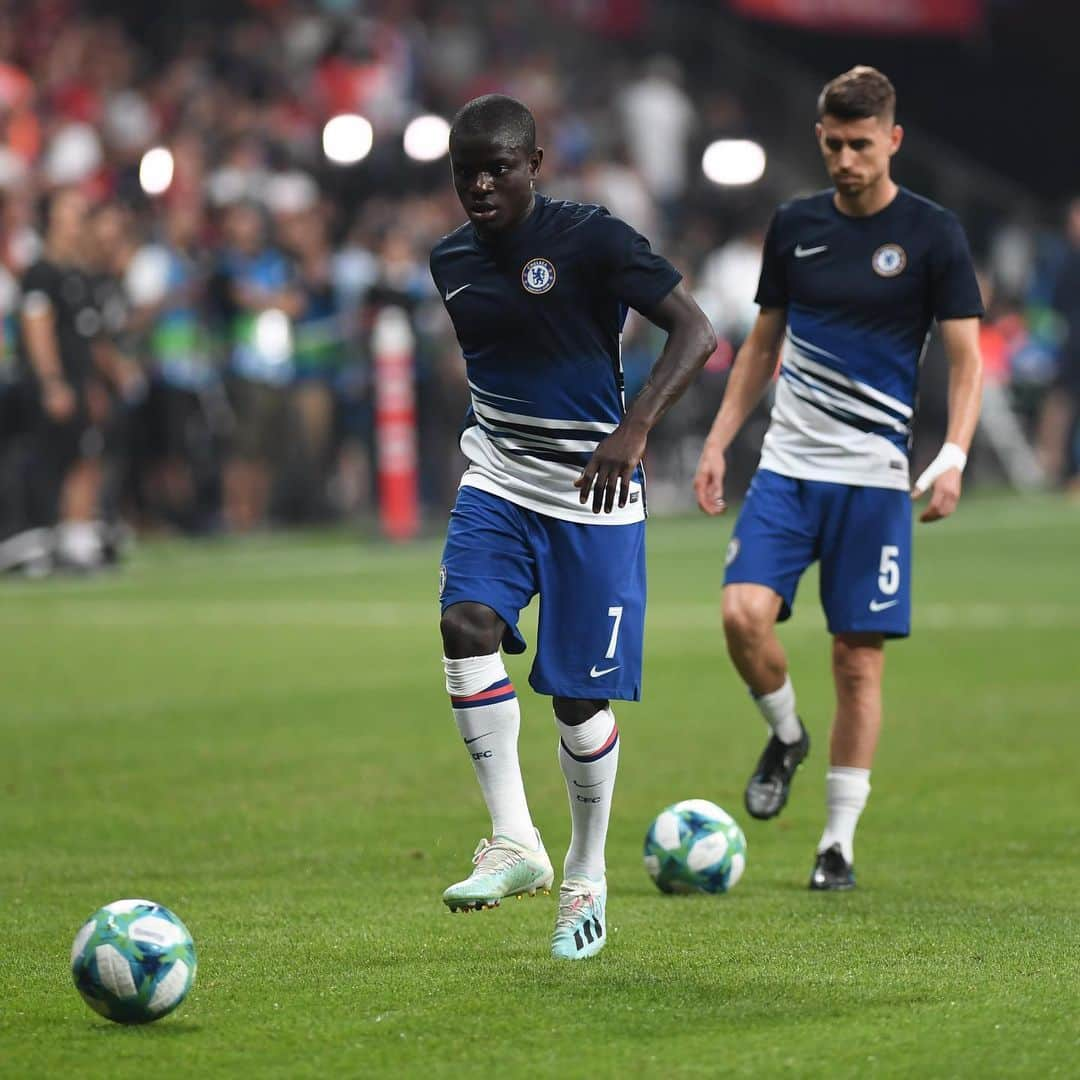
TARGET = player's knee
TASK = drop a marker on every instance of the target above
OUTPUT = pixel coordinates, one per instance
(747, 618)
(857, 659)
(574, 711)
(470, 630)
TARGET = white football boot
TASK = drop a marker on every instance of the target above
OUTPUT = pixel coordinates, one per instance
(503, 868)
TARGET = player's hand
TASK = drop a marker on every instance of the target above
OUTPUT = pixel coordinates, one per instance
(611, 468)
(709, 481)
(58, 400)
(131, 382)
(943, 477)
(945, 494)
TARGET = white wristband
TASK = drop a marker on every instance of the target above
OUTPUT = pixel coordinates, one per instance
(950, 456)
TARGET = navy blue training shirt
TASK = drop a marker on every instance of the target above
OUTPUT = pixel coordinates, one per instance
(861, 295)
(538, 312)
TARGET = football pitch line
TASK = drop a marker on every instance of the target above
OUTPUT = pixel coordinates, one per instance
(297, 557)
(353, 560)
(388, 615)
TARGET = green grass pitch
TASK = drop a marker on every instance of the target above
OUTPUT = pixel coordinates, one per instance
(256, 735)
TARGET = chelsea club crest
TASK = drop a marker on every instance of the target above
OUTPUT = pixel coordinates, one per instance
(889, 260)
(538, 275)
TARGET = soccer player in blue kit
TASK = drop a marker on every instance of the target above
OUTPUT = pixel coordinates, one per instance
(851, 282)
(553, 499)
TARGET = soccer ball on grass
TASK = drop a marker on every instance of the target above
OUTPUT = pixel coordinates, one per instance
(694, 846)
(133, 961)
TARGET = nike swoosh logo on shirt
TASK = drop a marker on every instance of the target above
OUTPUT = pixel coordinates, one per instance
(801, 252)
(475, 737)
(594, 674)
(877, 606)
(450, 295)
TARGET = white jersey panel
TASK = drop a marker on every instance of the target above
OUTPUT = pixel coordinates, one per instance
(535, 483)
(812, 433)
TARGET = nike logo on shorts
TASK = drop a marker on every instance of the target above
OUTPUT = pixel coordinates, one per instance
(450, 295)
(878, 606)
(801, 252)
(594, 674)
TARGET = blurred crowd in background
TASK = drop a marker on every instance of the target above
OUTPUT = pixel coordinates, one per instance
(175, 212)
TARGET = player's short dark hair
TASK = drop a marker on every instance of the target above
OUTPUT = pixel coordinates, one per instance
(500, 118)
(858, 94)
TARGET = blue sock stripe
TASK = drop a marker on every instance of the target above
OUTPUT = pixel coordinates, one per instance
(604, 750)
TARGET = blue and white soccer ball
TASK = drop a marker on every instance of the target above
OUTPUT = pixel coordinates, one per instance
(133, 961)
(694, 846)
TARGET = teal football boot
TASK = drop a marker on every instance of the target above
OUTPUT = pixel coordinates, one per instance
(581, 925)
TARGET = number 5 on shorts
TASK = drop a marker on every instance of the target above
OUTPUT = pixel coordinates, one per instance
(889, 571)
(616, 614)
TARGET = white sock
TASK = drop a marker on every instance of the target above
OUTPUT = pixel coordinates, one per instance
(589, 757)
(846, 792)
(778, 708)
(79, 542)
(488, 717)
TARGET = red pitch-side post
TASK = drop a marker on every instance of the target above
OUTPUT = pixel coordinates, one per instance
(395, 425)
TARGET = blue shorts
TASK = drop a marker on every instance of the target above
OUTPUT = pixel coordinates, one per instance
(861, 535)
(591, 583)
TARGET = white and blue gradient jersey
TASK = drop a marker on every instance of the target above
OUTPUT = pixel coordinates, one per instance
(538, 313)
(861, 294)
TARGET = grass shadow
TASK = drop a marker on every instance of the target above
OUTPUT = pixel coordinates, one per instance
(154, 1030)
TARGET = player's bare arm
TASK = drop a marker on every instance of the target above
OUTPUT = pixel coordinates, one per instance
(690, 343)
(121, 371)
(39, 333)
(750, 374)
(944, 476)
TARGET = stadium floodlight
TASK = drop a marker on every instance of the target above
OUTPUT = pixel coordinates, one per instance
(427, 138)
(732, 162)
(347, 138)
(156, 170)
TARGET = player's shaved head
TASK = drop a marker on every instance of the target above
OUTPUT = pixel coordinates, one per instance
(858, 94)
(496, 117)
(494, 160)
